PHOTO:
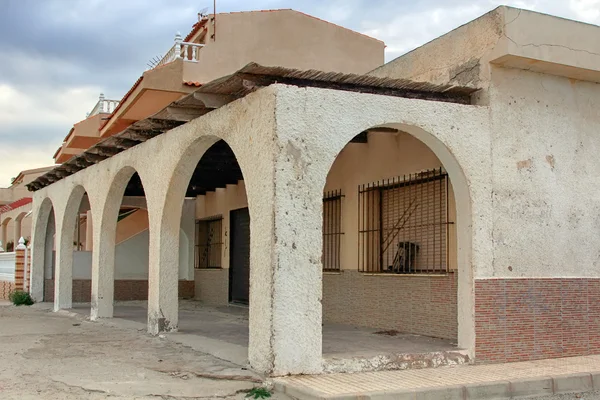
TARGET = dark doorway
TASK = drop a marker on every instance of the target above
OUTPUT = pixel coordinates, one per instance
(239, 256)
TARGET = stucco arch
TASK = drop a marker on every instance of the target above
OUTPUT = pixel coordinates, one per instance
(104, 228)
(41, 212)
(63, 279)
(462, 195)
(4, 231)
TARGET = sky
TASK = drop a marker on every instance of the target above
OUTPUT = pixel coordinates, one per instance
(57, 56)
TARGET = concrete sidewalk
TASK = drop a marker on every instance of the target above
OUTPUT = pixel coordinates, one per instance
(497, 381)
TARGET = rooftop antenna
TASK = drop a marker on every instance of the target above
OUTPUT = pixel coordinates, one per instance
(203, 13)
(153, 63)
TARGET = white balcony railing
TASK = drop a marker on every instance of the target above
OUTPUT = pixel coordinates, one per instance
(104, 106)
(187, 51)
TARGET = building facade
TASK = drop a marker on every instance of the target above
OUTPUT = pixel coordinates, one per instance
(446, 194)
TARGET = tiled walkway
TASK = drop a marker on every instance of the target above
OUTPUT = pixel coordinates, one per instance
(576, 374)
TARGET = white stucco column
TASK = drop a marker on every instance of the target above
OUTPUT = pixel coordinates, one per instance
(17, 231)
(297, 272)
(3, 233)
(63, 275)
(163, 273)
(103, 265)
(89, 242)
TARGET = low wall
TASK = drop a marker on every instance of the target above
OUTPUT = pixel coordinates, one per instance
(7, 274)
(5, 289)
(125, 290)
(531, 319)
(212, 286)
(422, 305)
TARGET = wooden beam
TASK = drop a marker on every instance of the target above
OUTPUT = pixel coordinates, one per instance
(185, 114)
(94, 158)
(104, 151)
(213, 100)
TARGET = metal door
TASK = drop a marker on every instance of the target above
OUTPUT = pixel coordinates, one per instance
(239, 256)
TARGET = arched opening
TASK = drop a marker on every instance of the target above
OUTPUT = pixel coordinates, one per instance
(7, 239)
(23, 227)
(82, 247)
(43, 246)
(215, 219)
(391, 263)
(131, 251)
(49, 255)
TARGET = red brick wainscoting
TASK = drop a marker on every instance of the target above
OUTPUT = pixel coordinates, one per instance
(124, 290)
(5, 289)
(530, 319)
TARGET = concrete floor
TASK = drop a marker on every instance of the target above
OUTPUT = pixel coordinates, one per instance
(48, 355)
(223, 332)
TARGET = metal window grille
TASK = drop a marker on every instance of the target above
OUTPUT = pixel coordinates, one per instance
(403, 224)
(209, 243)
(332, 230)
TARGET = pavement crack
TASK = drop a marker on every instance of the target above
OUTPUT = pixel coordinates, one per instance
(216, 377)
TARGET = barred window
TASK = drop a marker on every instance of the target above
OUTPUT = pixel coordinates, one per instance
(403, 224)
(209, 242)
(332, 230)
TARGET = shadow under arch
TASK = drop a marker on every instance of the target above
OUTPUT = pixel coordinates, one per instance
(462, 197)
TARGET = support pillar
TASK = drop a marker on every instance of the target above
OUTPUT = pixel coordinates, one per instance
(286, 277)
(3, 233)
(17, 230)
(20, 265)
(89, 232)
(163, 273)
(103, 265)
(63, 272)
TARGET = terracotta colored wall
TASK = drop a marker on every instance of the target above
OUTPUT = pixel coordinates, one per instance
(283, 38)
(124, 290)
(530, 319)
(5, 289)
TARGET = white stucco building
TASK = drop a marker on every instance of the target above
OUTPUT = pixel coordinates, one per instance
(447, 193)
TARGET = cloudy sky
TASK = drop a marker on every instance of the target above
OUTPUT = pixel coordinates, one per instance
(56, 56)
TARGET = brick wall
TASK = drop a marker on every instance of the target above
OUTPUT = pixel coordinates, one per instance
(124, 290)
(530, 319)
(424, 305)
(5, 289)
(212, 286)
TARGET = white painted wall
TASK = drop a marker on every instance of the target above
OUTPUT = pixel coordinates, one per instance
(7, 266)
(131, 259)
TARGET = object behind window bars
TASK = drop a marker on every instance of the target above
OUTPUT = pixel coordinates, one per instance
(403, 224)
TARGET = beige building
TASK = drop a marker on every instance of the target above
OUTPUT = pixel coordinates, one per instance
(15, 208)
(445, 194)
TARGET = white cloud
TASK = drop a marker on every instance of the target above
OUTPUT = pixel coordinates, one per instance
(16, 158)
(586, 10)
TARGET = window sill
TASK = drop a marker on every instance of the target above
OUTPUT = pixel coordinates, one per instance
(441, 275)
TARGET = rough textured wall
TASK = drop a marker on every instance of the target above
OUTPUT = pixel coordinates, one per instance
(546, 195)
